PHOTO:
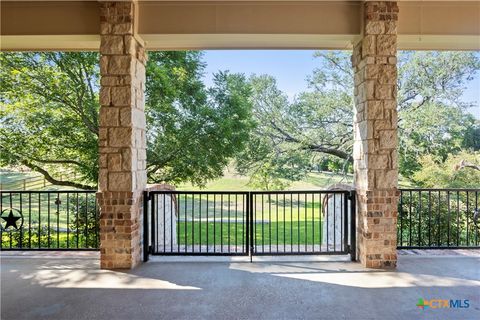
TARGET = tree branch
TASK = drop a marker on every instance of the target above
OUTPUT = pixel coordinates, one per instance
(54, 181)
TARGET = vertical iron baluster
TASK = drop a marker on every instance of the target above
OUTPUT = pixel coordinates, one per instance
(410, 219)
(401, 216)
(246, 222)
(468, 224)
(244, 227)
(21, 229)
(153, 221)
(236, 221)
(221, 222)
(193, 222)
(86, 220)
(298, 223)
(263, 221)
(68, 220)
(29, 221)
(96, 223)
(214, 222)
(353, 224)
(291, 220)
(200, 222)
(186, 221)
(10, 233)
(164, 195)
(171, 221)
(448, 231)
(39, 220)
(270, 222)
(313, 222)
(345, 222)
(419, 218)
(458, 218)
(306, 221)
(429, 218)
(476, 207)
(228, 223)
(284, 221)
(438, 219)
(1, 210)
(334, 222)
(48, 213)
(320, 231)
(178, 206)
(208, 206)
(58, 220)
(276, 211)
(77, 214)
(253, 225)
(326, 214)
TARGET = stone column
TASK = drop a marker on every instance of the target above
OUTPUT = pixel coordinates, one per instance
(122, 146)
(375, 131)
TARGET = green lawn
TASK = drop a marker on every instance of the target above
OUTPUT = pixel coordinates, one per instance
(288, 232)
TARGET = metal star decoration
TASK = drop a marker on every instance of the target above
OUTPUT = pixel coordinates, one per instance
(11, 220)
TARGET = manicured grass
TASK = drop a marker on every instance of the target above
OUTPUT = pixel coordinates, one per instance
(281, 232)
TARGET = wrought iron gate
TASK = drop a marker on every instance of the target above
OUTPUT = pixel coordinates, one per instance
(249, 223)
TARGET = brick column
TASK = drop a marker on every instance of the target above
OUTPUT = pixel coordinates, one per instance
(375, 130)
(122, 146)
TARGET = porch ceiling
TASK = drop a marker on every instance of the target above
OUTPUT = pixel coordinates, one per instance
(74, 25)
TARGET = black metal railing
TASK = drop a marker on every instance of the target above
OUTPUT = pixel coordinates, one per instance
(438, 218)
(243, 223)
(49, 220)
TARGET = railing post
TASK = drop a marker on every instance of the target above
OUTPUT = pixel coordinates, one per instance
(247, 223)
(353, 226)
(345, 217)
(146, 198)
(153, 224)
(251, 241)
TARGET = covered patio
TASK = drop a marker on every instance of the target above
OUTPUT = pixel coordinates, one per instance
(62, 285)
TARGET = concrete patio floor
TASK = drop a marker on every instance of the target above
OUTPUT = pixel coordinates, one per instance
(71, 286)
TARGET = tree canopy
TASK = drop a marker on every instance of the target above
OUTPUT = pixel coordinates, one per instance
(49, 116)
(292, 136)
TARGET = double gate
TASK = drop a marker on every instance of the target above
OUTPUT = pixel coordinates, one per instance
(249, 223)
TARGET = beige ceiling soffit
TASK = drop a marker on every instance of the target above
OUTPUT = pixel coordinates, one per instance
(49, 17)
(247, 41)
(436, 42)
(249, 18)
(50, 43)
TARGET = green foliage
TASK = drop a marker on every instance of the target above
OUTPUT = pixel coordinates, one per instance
(432, 118)
(49, 116)
(448, 173)
(269, 157)
(85, 224)
(435, 129)
(192, 132)
(436, 219)
(316, 127)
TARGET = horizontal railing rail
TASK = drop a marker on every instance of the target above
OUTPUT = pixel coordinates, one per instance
(49, 220)
(438, 218)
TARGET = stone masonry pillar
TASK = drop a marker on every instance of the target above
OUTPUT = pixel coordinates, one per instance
(122, 146)
(375, 131)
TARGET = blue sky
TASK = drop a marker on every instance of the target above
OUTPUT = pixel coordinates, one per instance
(290, 68)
